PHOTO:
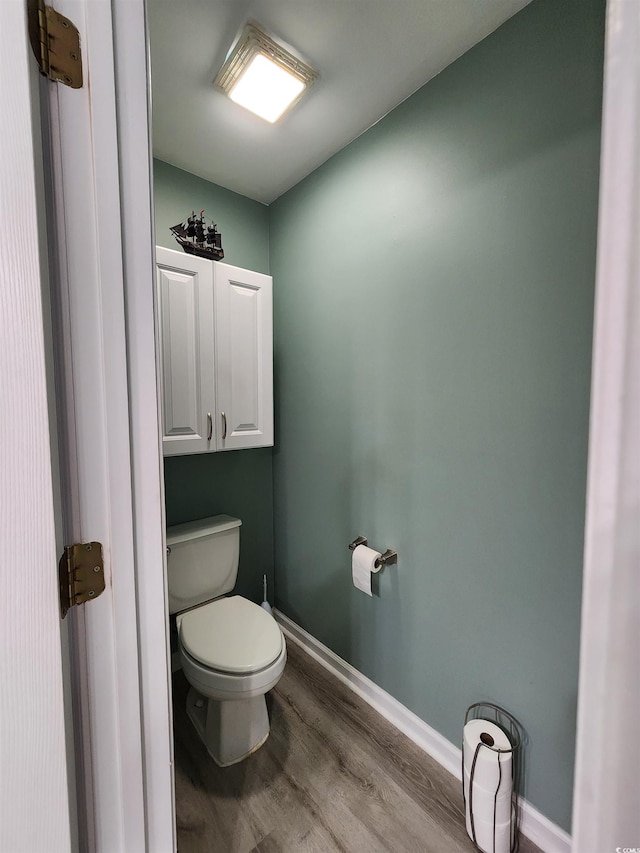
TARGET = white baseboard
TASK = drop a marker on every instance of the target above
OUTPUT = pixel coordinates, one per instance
(549, 837)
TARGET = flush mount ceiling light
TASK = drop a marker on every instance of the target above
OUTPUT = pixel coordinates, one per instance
(262, 76)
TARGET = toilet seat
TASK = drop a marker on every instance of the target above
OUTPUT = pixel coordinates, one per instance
(231, 636)
(224, 686)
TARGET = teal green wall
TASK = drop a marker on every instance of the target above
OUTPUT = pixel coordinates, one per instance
(244, 223)
(237, 482)
(433, 310)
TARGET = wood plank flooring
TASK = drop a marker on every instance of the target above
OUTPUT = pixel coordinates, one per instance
(333, 776)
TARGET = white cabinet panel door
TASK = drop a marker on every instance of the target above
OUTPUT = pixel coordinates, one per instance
(244, 357)
(185, 288)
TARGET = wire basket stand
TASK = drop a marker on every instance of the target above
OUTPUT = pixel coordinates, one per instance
(512, 728)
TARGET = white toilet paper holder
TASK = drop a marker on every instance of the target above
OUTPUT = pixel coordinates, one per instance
(389, 558)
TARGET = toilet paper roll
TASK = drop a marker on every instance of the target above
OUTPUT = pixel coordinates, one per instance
(488, 788)
(487, 834)
(485, 804)
(363, 564)
(493, 770)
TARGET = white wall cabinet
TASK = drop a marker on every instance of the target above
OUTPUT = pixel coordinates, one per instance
(216, 354)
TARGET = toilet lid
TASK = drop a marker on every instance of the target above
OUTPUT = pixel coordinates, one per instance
(231, 635)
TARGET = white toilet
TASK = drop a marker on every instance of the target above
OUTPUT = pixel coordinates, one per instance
(232, 651)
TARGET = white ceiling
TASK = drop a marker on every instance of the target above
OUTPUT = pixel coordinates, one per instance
(370, 54)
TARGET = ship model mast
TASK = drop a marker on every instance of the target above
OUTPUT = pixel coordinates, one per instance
(198, 238)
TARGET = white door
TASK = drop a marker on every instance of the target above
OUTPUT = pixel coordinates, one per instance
(110, 451)
(244, 357)
(34, 804)
(185, 313)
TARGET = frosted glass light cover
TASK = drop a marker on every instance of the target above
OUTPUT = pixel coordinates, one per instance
(262, 75)
(266, 88)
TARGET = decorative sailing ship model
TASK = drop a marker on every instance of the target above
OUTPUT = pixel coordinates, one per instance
(195, 240)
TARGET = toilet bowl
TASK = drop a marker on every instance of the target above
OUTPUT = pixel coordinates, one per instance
(232, 651)
(232, 654)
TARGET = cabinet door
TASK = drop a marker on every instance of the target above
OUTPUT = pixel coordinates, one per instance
(185, 304)
(244, 357)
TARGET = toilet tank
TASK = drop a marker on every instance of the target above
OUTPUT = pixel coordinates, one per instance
(202, 562)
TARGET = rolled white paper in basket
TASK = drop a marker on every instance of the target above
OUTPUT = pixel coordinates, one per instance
(485, 831)
(489, 795)
(492, 769)
(485, 802)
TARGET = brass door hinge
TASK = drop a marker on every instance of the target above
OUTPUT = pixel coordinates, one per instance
(56, 43)
(81, 574)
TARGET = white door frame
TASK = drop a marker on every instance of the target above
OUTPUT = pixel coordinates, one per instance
(607, 778)
(110, 311)
(612, 524)
(135, 157)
